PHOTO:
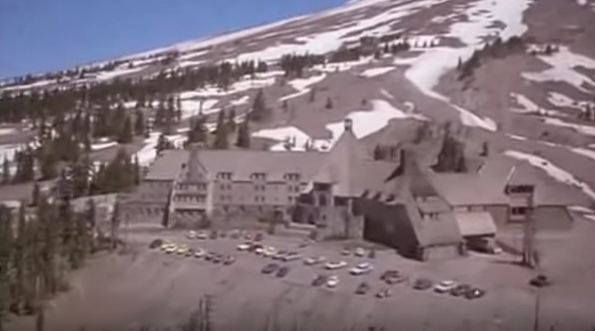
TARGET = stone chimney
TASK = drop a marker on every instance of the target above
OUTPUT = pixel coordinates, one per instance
(348, 124)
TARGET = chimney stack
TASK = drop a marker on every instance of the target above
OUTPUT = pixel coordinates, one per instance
(348, 124)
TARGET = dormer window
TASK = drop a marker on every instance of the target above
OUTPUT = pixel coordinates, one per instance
(258, 176)
(224, 175)
(292, 176)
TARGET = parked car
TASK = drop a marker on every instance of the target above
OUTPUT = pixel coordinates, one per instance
(229, 260)
(396, 279)
(484, 246)
(332, 281)
(282, 272)
(445, 286)
(319, 280)
(269, 251)
(223, 234)
(258, 236)
(270, 268)
(292, 256)
(361, 269)
(360, 252)
(191, 234)
(244, 247)
(384, 293)
(314, 260)
(213, 234)
(198, 253)
(388, 273)
(218, 258)
(190, 252)
(422, 284)
(460, 290)
(540, 281)
(372, 253)
(234, 234)
(280, 255)
(172, 248)
(256, 248)
(210, 256)
(182, 250)
(346, 252)
(363, 288)
(248, 236)
(474, 293)
(202, 235)
(155, 243)
(335, 265)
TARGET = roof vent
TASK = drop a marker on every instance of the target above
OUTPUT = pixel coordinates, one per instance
(348, 124)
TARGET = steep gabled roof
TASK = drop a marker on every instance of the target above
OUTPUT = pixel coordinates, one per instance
(342, 163)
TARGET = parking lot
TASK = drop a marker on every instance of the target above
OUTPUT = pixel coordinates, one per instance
(147, 286)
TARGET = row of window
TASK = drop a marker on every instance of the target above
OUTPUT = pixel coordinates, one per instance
(256, 198)
(190, 198)
(186, 186)
(227, 187)
(259, 176)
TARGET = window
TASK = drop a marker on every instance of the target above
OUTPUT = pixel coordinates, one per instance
(224, 175)
(222, 197)
(258, 176)
(290, 199)
(519, 189)
(340, 201)
(322, 200)
(518, 210)
(223, 186)
(225, 208)
(291, 176)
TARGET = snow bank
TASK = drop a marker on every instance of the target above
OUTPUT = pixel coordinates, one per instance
(515, 137)
(7, 131)
(376, 71)
(583, 129)
(283, 134)
(583, 151)
(529, 107)
(240, 101)
(106, 75)
(342, 66)
(552, 170)
(387, 94)
(563, 63)
(302, 86)
(561, 100)
(103, 145)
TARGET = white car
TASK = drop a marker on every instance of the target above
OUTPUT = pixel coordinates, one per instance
(360, 252)
(314, 260)
(269, 251)
(199, 252)
(292, 256)
(171, 249)
(202, 235)
(361, 268)
(336, 265)
(243, 247)
(445, 286)
(191, 234)
(332, 281)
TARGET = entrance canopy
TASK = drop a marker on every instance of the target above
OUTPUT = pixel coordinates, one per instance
(475, 224)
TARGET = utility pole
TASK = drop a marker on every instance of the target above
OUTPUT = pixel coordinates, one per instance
(536, 313)
(529, 229)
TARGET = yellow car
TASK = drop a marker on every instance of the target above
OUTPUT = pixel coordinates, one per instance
(182, 250)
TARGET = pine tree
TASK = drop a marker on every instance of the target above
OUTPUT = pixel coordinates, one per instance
(221, 136)
(125, 135)
(35, 194)
(329, 103)
(484, 149)
(243, 137)
(162, 144)
(19, 262)
(139, 123)
(312, 95)
(259, 109)
(6, 245)
(231, 120)
(48, 165)
(6, 171)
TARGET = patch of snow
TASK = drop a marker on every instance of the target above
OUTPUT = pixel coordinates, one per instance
(529, 107)
(283, 134)
(191, 55)
(372, 72)
(302, 86)
(582, 2)
(561, 100)
(562, 65)
(148, 153)
(328, 41)
(386, 94)
(581, 209)
(237, 87)
(39, 83)
(368, 122)
(427, 68)
(515, 137)
(193, 107)
(583, 151)
(7, 131)
(103, 145)
(106, 75)
(342, 66)
(583, 129)
(187, 63)
(589, 216)
(552, 170)
(240, 101)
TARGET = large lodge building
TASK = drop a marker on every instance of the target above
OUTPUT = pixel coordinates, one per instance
(344, 193)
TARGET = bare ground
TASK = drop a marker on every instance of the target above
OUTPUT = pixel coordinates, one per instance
(142, 286)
